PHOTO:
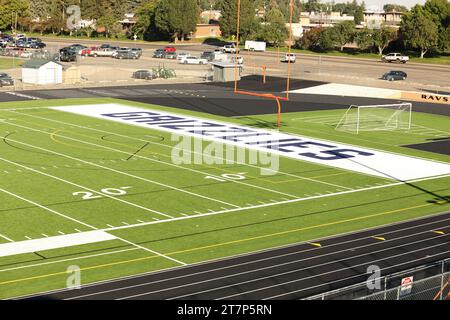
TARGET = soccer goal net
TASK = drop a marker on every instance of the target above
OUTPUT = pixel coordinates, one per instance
(376, 118)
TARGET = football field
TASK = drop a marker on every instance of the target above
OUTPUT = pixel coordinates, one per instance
(107, 197)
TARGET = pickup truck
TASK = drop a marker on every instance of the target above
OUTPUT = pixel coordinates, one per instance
(394, 57)
(230, 48)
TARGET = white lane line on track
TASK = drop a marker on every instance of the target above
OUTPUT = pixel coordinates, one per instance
(304, 269)
(110, 169)
(384, 269)
(280, 256)
(194, 152)
(121, 279)
(279, 284)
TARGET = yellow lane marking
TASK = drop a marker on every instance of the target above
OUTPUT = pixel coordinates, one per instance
(439, 232)
(227, 243)
(379, 238)
(315, 244)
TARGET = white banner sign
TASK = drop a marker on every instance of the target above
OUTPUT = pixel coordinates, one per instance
(324, 152)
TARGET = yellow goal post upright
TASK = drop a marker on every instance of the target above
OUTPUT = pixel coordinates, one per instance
(237, 90)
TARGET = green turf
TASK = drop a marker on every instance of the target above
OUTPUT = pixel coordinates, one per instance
(50, 155)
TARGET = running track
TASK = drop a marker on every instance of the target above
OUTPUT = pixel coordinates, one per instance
(293, 272)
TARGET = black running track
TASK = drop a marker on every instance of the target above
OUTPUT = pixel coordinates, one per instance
(293, 272)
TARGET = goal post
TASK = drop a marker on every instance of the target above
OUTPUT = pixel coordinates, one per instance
(376, 118)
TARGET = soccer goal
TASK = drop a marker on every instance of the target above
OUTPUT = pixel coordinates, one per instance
(376, 118)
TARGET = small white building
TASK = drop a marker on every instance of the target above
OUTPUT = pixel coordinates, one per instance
(42, 72)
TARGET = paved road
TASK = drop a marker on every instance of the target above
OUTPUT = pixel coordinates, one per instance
(293, 272)
(358, 71)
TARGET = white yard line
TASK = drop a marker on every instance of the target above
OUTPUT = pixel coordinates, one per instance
(85, 188)
(152, 251)
(46, 208)
(271, 204)
(6, 238)
(193, 151)
(107, 168)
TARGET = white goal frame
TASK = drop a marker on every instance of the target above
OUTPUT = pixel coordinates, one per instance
(402, 107)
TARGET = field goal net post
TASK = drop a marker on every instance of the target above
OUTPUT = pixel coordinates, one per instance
(376, 118)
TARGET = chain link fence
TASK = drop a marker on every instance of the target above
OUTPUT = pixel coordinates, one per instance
(433, 288)
(430, 282)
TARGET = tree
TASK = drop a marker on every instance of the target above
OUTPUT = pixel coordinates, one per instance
(311, 39)
(383, 37)
(419, 30)
(274, 30)
(364, 38)
(342, 33)
(107, 21)
(394, 8)
(177, 18)
(11, 11)
(145, 19)
(249, 26)
(439, 12)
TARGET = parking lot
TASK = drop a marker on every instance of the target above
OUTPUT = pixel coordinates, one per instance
(97, 70)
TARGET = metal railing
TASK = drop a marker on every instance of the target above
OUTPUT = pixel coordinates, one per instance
(431, 281)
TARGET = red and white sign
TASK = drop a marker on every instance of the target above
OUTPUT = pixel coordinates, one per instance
(407, 284)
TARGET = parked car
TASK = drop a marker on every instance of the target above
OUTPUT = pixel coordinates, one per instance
(105, 46)
(394, 57)
(230, 48)
(37, 45)
(208, 55)
(289, 57)
(170, 49)
(170, 55)
(394, 75)
(159, 53)
(183, 55)
(137, 52)
(102, 52)
(6, 80)
(193, 60)
(67, 55)
(119, 49)
(77, 47)
(125, 54)
(143, 74)
(87, 51)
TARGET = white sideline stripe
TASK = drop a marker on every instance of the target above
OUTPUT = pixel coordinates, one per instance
(166, 146)
(277, 203)
(82, 187)
(48, 243)
(45, 208)
(107, 168)
(337, 89)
